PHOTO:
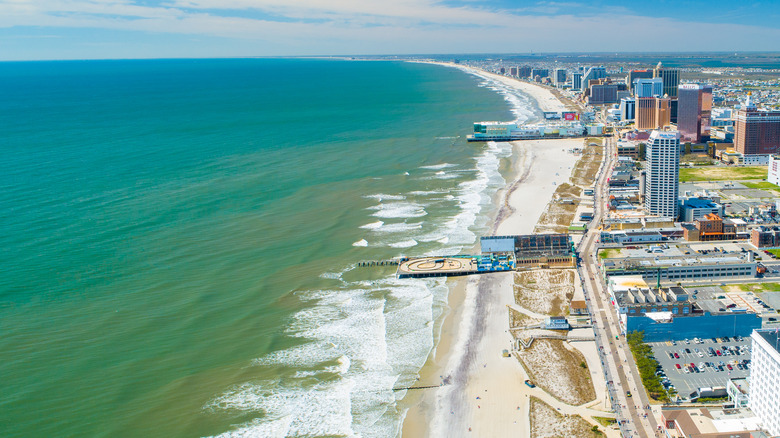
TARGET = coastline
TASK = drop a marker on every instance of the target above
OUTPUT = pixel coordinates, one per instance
(483, 392)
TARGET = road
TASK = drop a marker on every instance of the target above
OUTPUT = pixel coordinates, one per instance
(620, 370)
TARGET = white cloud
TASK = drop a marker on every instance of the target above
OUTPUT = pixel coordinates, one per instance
(388, 26)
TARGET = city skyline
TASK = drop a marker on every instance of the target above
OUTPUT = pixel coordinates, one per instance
(95, 29)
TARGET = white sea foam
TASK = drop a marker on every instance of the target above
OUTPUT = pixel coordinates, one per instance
(439, 166)
(400, 227)
(404, 244)
(382, 196)
(398, 210)
(373, 225)
(427, 192)
(361, 242)
(290, 412)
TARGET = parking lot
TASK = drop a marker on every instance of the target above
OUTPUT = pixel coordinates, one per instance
(708, 376)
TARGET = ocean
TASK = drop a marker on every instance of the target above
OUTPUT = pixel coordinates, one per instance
(181, 238)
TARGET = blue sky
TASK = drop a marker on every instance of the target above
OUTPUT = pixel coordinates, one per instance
(87, 29)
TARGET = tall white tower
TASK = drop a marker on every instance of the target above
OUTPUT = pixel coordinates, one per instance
(662, 182)
(764, 382)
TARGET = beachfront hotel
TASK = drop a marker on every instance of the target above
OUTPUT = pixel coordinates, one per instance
(662, 174)
(764, 382)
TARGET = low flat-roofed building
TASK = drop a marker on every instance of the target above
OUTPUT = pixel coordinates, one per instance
(710, 227)
(675, 313)
(556, 323)
(709, 423)
(682, 267)
(765, 237)
(738, 390)
(695, 208)
(632, 236)
(530, 250)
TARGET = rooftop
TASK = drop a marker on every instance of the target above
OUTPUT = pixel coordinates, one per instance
(771, 336)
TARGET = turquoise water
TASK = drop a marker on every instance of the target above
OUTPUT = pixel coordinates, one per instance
(180, 238)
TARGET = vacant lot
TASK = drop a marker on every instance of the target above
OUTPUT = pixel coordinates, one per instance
(722, 173)
(546, 422)
(762, 185)
(545, 291)
(555, 366)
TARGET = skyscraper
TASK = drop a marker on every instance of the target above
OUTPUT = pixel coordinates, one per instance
(633, 75)
(756, 132)
(576, 81)
(560, 77)
(764, 382)
(694, 108)
(593, 73)
(652, 112)
(524, 71)
(662, 174)
(649, 87)
(627, 109)
(671, 78)
(541, 72)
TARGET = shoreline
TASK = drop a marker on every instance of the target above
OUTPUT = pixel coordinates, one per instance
(490, 399)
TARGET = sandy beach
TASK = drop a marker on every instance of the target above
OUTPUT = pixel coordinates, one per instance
(484, 391)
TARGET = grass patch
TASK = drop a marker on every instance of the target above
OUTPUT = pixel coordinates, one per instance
(609, 253)
(643, 355)
(584, 172)
(762, 186)
(722, 173)
(753, 287)
(553, 366)
(546, 422)
(545, 291)
(517, 319)
(605, 421)
(775, 252)
(697, 159)
(559, 214)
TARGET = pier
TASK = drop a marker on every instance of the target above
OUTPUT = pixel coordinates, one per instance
(451, 266)
(370, 263)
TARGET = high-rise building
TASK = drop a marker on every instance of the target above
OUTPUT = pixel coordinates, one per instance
(652, 112)
(662, 173)
(523, 71)
(633, 75)
(541, 72)
(560, 77)
(756, 132)
(512, 71)
(627, 109)
(649, 87)
(600, 94)
(671, 78)
(694, 108)
(576, 81)
(764, 389)
(593, 74)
